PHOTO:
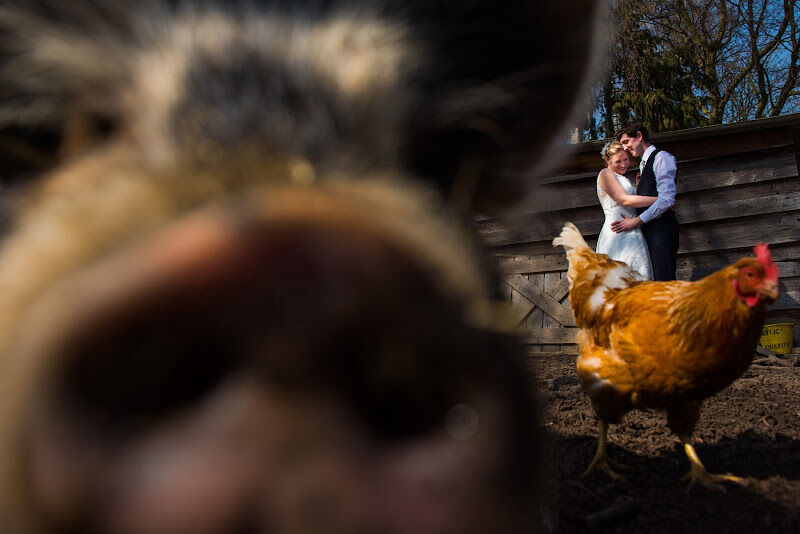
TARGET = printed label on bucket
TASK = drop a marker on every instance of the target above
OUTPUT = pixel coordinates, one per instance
(777, 337)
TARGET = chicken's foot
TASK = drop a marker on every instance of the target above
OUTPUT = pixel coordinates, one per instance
(699, 474)
(601, 460)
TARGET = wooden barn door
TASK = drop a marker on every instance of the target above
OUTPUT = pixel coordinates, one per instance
(541, 304)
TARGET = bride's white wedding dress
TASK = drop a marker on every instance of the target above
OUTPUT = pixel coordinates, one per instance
(630, 246)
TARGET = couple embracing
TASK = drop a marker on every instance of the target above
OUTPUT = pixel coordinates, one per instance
(640, 228)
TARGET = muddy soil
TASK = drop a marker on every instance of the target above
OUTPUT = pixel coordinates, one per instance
(751, 429)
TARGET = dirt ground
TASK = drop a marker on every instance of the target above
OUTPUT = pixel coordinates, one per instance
(751, 429)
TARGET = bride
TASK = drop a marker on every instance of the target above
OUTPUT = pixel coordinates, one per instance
(616, 195)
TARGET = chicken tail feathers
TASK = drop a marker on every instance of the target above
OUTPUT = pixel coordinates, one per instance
(570, 238)
(591, 276)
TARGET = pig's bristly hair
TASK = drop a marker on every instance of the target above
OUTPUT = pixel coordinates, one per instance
(413, 83)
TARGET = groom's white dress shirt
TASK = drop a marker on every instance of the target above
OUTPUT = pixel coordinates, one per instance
(665, 169)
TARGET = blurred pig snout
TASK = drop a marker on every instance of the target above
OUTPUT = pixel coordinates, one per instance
(300, 361)
(242, 293)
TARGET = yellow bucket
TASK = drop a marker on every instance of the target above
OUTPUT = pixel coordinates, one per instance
(777, 337)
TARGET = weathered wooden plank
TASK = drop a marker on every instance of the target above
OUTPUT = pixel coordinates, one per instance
(542, 336)
(518, 303)
(534, 249)
(788, 300)
(547, 226)
(789, 284)
(542, 264)
(545, 302)
(789, 296)
(693, 144)
(698, 265)
(538, 228)
(519, 307)
(535, 319)
(736, 167)
(691, 266)
(532, 356)
(561, 289)
(778, 228)
(520, 310)
(781, 227)
(574, 177)
(551, 280)
(507, 292)
(788, 268)
(713, 211)
(744, 191)
(559, 292)
(779, 252)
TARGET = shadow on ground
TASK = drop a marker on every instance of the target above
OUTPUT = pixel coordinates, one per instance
(752, 430)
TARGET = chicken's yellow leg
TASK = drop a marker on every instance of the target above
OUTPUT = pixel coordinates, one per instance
(698, 472)
(601, 460)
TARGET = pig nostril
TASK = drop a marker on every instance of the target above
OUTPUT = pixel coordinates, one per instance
(306, 306)
(138, 370)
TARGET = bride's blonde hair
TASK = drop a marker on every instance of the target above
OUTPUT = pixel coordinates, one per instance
(611, 148)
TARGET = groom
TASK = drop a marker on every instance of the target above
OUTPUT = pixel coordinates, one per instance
(660, 225)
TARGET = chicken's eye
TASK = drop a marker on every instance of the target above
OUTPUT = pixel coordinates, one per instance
(749, 274)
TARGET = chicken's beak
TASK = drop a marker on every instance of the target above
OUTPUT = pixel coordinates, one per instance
(769, 291)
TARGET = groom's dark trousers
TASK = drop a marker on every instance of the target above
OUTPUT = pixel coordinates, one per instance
(662, 233)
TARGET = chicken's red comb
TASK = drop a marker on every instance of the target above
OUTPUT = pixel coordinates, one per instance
(762, 253)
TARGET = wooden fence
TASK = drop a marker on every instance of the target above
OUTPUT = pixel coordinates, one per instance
(737, 185)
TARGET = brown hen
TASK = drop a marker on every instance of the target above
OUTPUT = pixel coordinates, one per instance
(663, 345)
